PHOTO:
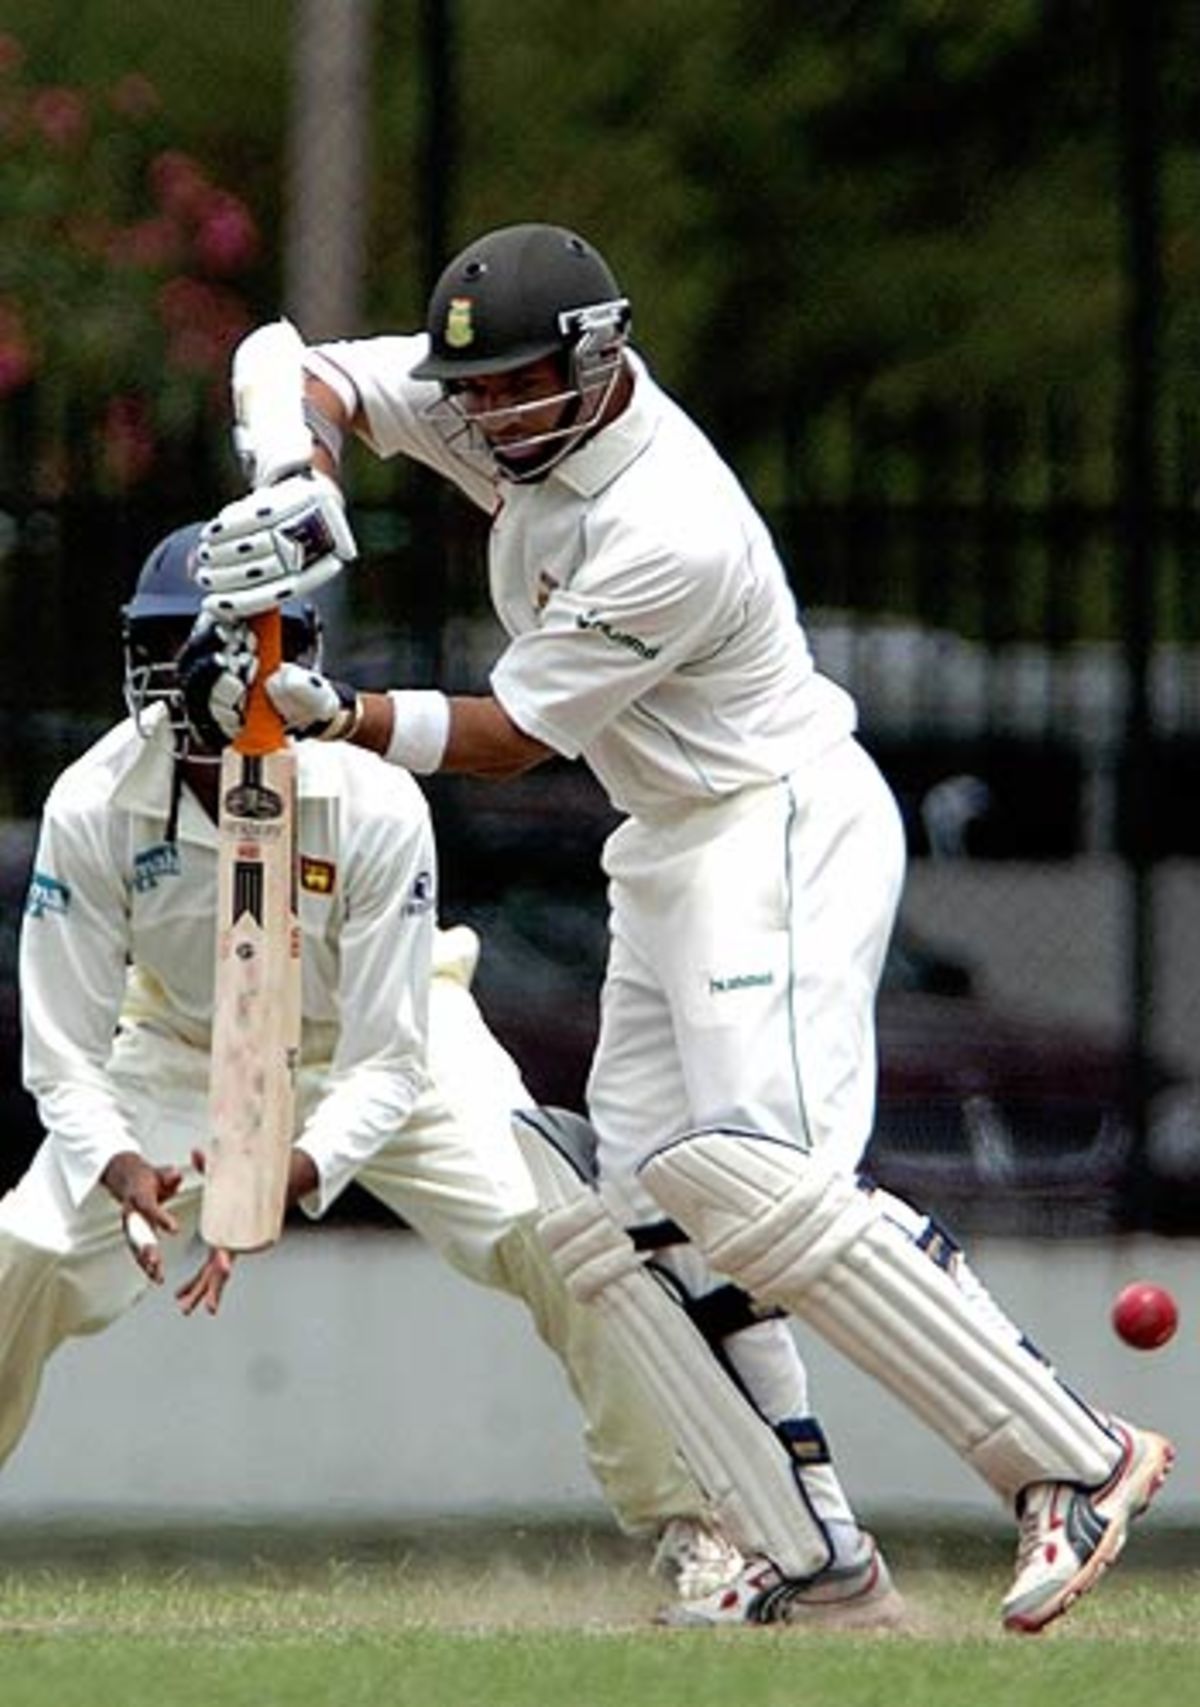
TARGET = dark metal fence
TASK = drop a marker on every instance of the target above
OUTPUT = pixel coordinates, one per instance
(970, 576)
(966, 577)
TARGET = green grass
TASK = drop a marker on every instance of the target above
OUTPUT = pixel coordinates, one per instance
(465, 1617)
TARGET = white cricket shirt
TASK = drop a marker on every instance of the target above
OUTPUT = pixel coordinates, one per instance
(120, 924)
(652, 630)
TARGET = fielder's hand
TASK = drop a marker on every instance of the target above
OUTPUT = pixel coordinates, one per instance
(215, 668)
(278, 543)
(142, 1189)
(207, 1285)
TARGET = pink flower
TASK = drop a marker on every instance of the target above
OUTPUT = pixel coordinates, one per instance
(12, 54)
(180, 183)
(151, 243)
(17, 361)
(127, 440)
(135, 96)
(17, 366)
(183, 301)
(202, 324)
(61, 115)
(205, 349)
(196, 349)
(226, 238)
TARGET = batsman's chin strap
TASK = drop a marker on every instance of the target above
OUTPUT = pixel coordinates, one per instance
(171, 832)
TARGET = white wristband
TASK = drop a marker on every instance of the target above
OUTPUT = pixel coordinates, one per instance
(420, 729)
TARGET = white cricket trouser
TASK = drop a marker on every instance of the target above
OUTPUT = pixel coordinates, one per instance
(748, 939)
(455, 1173)
(747, 944)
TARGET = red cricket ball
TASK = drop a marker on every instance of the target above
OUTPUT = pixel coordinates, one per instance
(1145, 1315)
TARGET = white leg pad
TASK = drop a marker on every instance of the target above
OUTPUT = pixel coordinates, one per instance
(794, 1234)
(750, 1479)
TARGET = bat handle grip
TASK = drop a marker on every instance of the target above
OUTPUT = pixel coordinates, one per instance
(263, 728)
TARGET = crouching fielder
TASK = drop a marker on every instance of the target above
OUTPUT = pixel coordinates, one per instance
(117, 989)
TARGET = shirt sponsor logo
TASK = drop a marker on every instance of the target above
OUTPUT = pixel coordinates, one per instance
(318, 876)
(421, 895)
(593, 622)
(740, 981)
(162, 860)
(46, 895)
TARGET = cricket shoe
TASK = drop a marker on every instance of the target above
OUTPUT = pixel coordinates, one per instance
(853, 1594)
(1070, 1535)
(695, 1557)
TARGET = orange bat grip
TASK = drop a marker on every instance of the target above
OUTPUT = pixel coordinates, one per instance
(263, 729)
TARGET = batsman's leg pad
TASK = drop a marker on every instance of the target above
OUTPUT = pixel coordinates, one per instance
(749, 1475)
(794, 1233)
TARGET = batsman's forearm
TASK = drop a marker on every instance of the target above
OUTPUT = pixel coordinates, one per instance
(482, 739)
(374, 729)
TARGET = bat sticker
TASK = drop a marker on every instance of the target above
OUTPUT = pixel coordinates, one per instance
(251, 800)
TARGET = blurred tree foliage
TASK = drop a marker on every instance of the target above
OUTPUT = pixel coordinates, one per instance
(867, 205)
(124, 277)
(822, 213)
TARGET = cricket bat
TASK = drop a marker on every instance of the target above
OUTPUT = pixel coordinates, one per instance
(256, 1015)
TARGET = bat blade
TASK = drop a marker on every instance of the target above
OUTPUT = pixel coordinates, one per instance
(256, 1014)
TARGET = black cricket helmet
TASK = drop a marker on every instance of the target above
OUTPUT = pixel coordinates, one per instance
(514, 296)
(160, 615)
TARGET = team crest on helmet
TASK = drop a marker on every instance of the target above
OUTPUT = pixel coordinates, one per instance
(460, 328)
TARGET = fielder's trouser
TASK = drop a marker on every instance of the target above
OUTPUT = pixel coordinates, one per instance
(630, 1451)
(63, 1272)
(455, 1174)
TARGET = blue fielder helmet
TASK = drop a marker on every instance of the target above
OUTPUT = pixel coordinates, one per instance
(159, 617)
(166, 585)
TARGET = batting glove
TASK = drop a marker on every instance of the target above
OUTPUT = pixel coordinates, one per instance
(215, 668)
(312, 705)
(279, 542)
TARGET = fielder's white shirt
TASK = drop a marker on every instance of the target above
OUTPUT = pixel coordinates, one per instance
(120, 925)
(652, 630)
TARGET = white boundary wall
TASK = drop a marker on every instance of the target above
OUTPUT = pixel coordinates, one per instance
(353, 1375)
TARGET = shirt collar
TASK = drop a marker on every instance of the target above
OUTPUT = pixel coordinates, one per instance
(145, 787)
(598, 462)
